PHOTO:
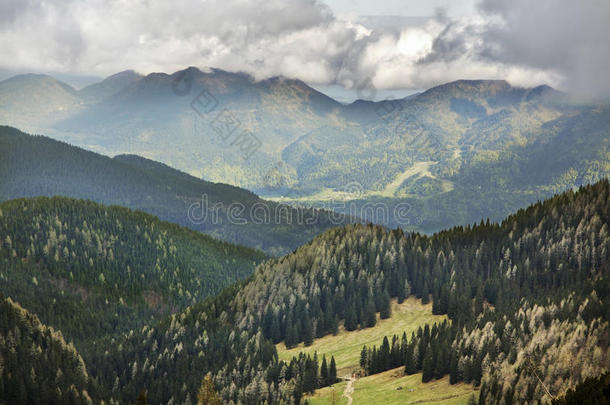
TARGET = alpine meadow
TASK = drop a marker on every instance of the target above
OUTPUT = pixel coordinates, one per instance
(304, 202)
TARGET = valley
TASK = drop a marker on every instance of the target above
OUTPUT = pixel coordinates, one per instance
(495, 322)
(393, 387)
(304, 202)
(316, 148)
(346, 346)
(491, 287)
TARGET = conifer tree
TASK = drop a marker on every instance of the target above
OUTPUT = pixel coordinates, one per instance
(363, 358)
(428, 366)
(386, 305)
(207, 392)
(324, 372)
(332, 371)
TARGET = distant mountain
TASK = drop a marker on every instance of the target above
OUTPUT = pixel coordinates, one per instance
(33, 166)
(110, 86)
(286, 141)
(33, 101)
(38, 366)
(92, 271)
(527, 299)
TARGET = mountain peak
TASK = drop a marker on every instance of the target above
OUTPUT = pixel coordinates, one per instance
(110, 86)
(482, 87)
(125, 74)
(37, 79)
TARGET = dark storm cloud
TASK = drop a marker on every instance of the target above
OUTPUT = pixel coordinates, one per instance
(569, 38)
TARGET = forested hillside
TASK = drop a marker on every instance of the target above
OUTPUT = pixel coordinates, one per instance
(527, 299)
(37, 366)
(90, 270)
(32, 166)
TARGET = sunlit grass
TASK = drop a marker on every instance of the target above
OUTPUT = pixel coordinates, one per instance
(384, 389)
(346, 346)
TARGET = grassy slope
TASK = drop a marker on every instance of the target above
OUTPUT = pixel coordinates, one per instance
(346, 346)
(382, 389)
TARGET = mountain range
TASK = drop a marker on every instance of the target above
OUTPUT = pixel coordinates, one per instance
(434, 152)
(139, 264)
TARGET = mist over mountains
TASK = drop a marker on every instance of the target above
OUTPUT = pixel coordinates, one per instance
(435, 151)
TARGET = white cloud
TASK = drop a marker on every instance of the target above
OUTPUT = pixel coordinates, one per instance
(302, 38)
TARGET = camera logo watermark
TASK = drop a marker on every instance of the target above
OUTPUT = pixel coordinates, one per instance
(225, 124)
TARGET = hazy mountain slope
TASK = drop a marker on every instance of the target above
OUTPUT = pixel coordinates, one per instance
(109, 87)
(284, 140)
(521, 295)
(37, 365)
(38, 166)
(92, 270)
(158, 111)
(33, 101)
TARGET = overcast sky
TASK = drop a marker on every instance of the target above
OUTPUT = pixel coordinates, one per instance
(393, 44)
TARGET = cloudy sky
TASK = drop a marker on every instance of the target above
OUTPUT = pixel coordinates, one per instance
(388, 44)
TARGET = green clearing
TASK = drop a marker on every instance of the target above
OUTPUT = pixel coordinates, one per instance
(383, 389)
(346, 346)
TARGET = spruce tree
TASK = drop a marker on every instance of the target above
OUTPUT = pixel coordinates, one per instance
(351, 322)
(308, 332)
(370, 315)
(324, 373)
(363, 358)
(386, 305)
(428, 366)
(332, 371)
(453, 370)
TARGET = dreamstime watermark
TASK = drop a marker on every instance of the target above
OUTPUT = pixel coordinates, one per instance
(225, 124)
(333, 212)
(351, 209)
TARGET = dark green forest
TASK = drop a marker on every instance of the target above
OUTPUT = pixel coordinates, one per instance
(592, 391)
(90, 270)
(37, 366)
(526, 298)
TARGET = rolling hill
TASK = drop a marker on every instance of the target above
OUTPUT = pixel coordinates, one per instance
(91, 270)
(33, 166)
(527, 301)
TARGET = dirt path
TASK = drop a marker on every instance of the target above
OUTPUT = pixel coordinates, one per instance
(349, 389)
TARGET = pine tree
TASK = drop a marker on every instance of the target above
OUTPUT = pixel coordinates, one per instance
(351, 322)
(207, 392)
(386, 305)
(428, 366)
(363, 358)
(332, 371)
(324, 372)
(142, 399)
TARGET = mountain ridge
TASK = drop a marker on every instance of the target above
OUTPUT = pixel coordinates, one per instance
(39, 166)
(307, 149)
